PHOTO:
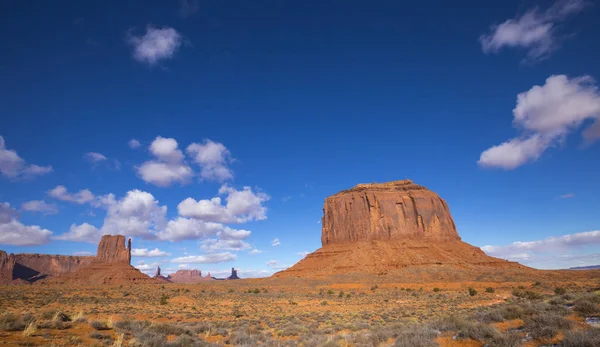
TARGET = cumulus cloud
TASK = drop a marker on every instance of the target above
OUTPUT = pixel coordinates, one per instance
(39, 206)
(275, 242)
(15, 233)
(217, 245)
(545, 115)
(206, 259)
(212, 157)
(148, 269)
(136, 214)
(180, 229)
(145, 252)
(241, 206)
(567, 196)
(81, 233)
(84, 196)
(133, 144)
(169, 165)
(95, 157)
(303, 254)
(274, 264)
(535, 30)
(83, 253)
(255, 251)
(550, 248)
(155, 45)
(13, 166)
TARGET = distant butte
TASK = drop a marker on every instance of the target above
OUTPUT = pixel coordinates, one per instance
(385, 228)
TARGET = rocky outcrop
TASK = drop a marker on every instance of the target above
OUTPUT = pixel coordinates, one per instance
(188, 276)
(384, 229)
(111, 265)
(396, 210)
(29, 268)
(234, 275)
(112, 250)
(158, 276)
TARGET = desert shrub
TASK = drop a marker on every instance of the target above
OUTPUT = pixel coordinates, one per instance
(374, 287)
(188, 341)
(167, 329)
(489, 290)
(472, 291)
(149, 339)
(526, 294)
(101, 337)
(560, 291)
(537, 284)
(546, 325)
(242, 338)
(465, 328)
(506, 340)
(341, 294)
(13, 322)
(586, 307)
(416, 336)
(164, 299)
(585, 338)
(99, 325)
(132, 326)
(323, 303)
(291, 330)
(436, 289)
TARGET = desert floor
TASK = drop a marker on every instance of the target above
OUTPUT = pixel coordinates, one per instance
(560, 310)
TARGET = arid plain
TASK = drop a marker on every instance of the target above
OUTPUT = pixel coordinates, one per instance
(392, 272)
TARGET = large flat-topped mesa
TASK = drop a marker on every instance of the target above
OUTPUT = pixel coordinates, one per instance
(386, 211)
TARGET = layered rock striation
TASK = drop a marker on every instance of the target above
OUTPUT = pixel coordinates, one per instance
(396, 210)
(385, 228)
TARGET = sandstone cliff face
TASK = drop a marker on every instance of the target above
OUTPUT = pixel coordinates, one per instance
(395, 228)
(112, 250)
(30, 266)
(389, 211)
(7, 265)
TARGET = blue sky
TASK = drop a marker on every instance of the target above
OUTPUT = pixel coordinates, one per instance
(252, 112)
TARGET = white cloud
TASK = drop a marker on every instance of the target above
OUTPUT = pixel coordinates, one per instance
(212, 157)
(303, 254)
(13, 232)
(241, 206)
(275, 242)
(206, 259)
(274, 264)
(592, 133)
(188, 7)
(39, 206)
(255, 252)
(13, 166)
(81, 233)
(137, 214)
(546, 115)
(155, 45)
(549, 248)
(148, 269)
(217, 245)
(95, 157)
(535, 30)
(133, 144)
(169, 165)
(145, 252)
(82, 197)
(567, 196)
(83, 254)
(181, 228)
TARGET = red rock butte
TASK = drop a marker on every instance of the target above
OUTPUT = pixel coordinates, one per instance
(385, 228)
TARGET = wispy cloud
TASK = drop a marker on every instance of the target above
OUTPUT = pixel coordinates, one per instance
(13, 166)
(39, 206)
(275, 242)
(567, 196)
(188, 8)
(535, 30)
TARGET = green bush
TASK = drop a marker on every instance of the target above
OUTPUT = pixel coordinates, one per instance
(489, 290)
(560, 291)
(436, 289)
(472, 291)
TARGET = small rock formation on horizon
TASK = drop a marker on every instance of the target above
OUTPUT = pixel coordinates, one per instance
(383, 228)
(160, 277)
(234, 275)
(188, 276)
